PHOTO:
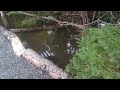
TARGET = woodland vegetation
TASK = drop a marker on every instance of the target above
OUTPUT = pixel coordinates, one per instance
(99, 55)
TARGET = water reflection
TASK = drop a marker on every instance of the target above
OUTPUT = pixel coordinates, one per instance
(60, 42)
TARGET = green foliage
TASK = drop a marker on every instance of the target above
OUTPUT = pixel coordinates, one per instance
(48, 13)
(29, 22)
(99, 55)
(9, 13)
(20, 20)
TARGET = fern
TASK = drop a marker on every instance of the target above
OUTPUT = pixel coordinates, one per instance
(99, 55)
(29, 22)
(14, 12)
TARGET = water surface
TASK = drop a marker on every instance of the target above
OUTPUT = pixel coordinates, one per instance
(61, 43)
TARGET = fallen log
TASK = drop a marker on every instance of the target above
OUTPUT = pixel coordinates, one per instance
(32, 29)
(34, 58)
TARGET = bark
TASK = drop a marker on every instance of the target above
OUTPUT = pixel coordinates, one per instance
(84, 16)
(34, 58)
(4, 19)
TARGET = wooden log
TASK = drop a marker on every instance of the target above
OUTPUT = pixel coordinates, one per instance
(32, 29)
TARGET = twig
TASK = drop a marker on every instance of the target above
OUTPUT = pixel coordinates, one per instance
(97, 19)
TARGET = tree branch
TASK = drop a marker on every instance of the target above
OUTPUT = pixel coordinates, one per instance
(53, 19)
(61, 23)
(97, 19)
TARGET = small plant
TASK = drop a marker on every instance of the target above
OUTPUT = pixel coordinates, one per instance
(30, 22)
(99, 55)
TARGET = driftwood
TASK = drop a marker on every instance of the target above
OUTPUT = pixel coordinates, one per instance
(34, 58)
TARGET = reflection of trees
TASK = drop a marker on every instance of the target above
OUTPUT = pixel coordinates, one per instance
(62, 46)
(61, 43)
(71, 48)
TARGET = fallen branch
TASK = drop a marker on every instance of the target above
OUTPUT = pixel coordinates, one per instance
(55, 20)
(61, 23)
(31, 29)
(97, 19)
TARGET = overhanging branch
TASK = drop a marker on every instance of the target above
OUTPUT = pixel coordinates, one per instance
(60, 23)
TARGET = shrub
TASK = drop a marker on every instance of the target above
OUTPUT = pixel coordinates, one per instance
(30, 22)
(99, 55)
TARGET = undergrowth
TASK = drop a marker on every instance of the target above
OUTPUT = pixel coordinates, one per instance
(99, 55)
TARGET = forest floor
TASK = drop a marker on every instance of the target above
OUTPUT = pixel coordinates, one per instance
(14, 67)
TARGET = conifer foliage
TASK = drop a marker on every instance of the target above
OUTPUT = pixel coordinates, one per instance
(99, 55)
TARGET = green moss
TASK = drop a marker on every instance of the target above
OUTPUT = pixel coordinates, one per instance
(99, 55)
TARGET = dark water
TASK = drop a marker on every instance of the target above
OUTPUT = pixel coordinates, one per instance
(60, 41)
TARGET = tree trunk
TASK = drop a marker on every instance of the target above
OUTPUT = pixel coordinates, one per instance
(4, 19)
(84, 16)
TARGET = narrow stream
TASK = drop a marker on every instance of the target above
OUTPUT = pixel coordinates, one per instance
(61, 43)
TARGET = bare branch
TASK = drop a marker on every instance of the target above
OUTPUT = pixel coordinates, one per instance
(61, 23)
(94, 13)
(53, 19)
(97, 19)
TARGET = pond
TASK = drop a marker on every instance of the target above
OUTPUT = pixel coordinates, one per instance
(61, 42)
